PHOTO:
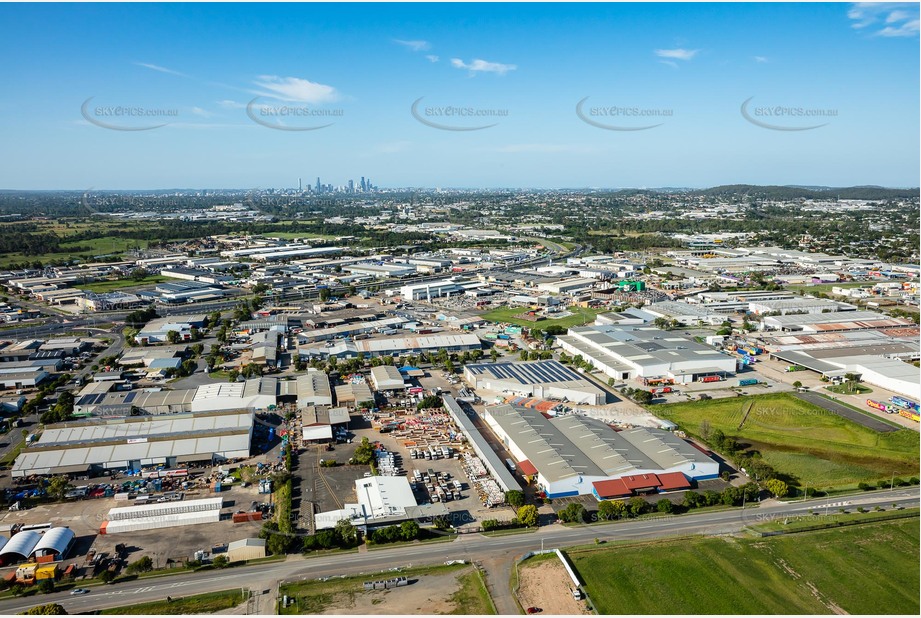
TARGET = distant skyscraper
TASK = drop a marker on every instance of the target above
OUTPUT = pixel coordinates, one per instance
(300, 187)
(363, 189)
(319, 186)
(351, 186)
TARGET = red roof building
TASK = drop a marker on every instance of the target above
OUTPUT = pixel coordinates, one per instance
(641, 482)
(610, 489)
(527, 468)
(673, 481)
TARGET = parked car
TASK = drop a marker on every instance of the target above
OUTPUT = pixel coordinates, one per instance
(534, 610)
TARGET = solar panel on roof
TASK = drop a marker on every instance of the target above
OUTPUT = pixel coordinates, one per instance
(130, 397)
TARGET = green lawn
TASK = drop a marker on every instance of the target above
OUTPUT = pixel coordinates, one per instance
(803, 441)
(472, 597)
(850, 389)
(579, 317)
(118, 284)
(867, 569)
(313, 596)
(197, 604)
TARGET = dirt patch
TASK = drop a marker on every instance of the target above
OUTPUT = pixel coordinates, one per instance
(428, 594)
(545, 584)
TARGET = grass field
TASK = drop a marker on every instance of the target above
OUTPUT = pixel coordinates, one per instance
(197, 604)
(865, 569)
(834, 518)
(108, 286)
(804, 442)
(579, 317)
(825, 288)
(472, 596)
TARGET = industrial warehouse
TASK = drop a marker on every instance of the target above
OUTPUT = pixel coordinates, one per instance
(100, 446)
(54, 542)
(569, 455)
(151, 516)
(382, 501)
(626, 352)
(547, 378)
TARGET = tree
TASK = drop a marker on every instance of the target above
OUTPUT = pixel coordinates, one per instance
(58, 486)
(692, 499)
(46, 586)
(48, 609)
(432, 401)
(704, 430)
(220, 561)
(665, 506)
(139, 274)
(172, 336)
(409, 530)
(141, 565)
(797, 384)
(494, 354)
(364, 453)
(107, 576)
(574, 512)
(514, 498)
(777, 487)
(346, 533)
(527, 515)
(637, 506)
(642, 396)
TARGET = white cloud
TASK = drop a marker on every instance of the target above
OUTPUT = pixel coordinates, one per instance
(909, 28)
(900, 18)
(230, 104)
(198, 111)
(760, 59)
(415, 46)
(432, 58)
(483, 66)
(677, 54)
(670, 63)
(295, 89)
(156, 67)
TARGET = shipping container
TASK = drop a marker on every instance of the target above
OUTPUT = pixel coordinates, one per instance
(748, 382)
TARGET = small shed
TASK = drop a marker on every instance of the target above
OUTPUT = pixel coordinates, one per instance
(246, 549)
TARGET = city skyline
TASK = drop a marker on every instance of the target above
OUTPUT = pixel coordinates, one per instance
(485, 96)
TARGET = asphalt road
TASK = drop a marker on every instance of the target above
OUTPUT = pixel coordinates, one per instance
(841, 410)
(474, 547)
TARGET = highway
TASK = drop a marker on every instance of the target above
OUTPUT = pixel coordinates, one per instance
(473, 547)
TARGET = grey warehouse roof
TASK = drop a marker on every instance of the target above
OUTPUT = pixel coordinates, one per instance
(571, 445)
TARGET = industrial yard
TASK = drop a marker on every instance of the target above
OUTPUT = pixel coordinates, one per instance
(448, 589)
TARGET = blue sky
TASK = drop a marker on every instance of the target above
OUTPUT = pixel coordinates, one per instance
(688, 68)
